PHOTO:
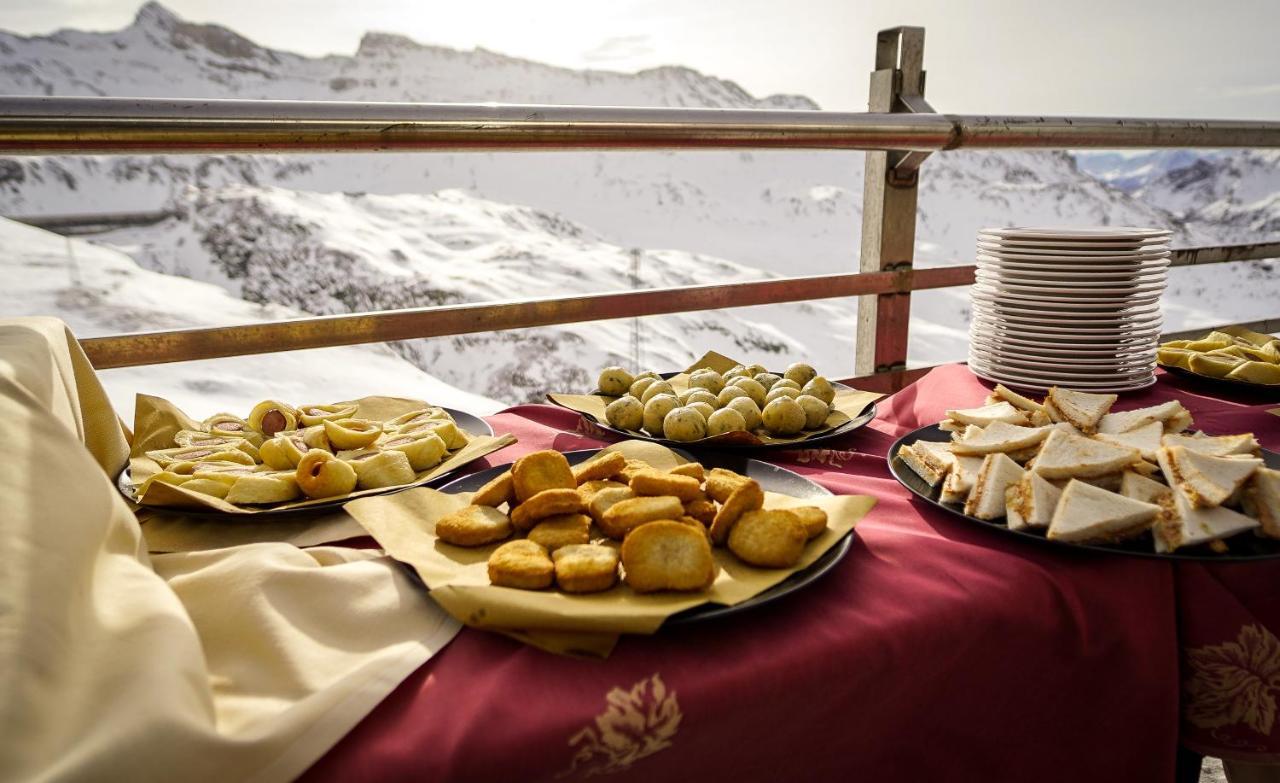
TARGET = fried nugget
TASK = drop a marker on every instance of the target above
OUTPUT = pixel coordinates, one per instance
(626, 515)
(603, 500)
(473, 526)
(498, 491)
(721, 483)
(633, 467)
(539, 471)
(746, 497)
(770, 539)
(588, 489)
(547, 503)
(667, 555)
(704, 510)
(561, 530)
(585, 568)
(653, 483)
(602, 466)
(812, 518)
(693, 469)
(522, 564)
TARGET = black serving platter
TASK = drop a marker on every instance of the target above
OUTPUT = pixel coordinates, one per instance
(1226, 385)
(1243, 547)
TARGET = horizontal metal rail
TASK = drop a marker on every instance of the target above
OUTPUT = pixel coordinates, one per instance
(73, 126)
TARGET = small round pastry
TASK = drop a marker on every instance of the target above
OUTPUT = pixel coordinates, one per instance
(747, 408)
(614, 381)
(272, 416)
(473, 526)
(755, 369)
(283, 452)
(785, 391)
(641, 383)
(737, 371)
(730, 392)
(312, 415)
(656, 388)
(702, 395)
(815, 411)
(258, 488)
(316, 438)
(625, 413)
(786, 383)
(384, 469)
(725, 420)
(821, 388)
(705, 408)
(445, 429)
(656, 410)
(768, 538)
(352, 433)
(648, 374)
(801, 373)
(322, 475)
(767, 379)
(707, 379)
(522, 564)
(783, 416)
(684, 425)
(753, 389)
(424, 450)
(227, 424)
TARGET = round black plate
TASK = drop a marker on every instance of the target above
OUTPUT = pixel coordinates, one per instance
(468, 423)
(1225, 385)
(849, 426)
(771, 477)
(1243, 547)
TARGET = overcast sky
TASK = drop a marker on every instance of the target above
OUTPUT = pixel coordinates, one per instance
(1209, 58)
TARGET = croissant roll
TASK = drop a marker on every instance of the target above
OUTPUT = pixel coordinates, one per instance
(283, 452)
(322, 475)
(316, 438)
(312, 415)
(257, 488)
(217, 489)
(166, 457)
(423, 451)
(352, 433)
(224, 473)
(420, 415)
(444, 428)
(384, 469)
(272, 416)
(227, 424)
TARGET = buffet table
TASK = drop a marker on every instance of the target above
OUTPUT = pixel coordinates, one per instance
(933, 651)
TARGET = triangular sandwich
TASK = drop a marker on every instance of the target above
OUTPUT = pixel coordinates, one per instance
(947, 425)
(1205, 481)
(1030, 503)
(1216, 446)
(1146, 438)
(1081, 409)
(1000, 437)
(1016, 400)
(986, 501)
(1000, 411)
(929, 460)
(1262, 500)
(956, 487)
(1127, 420)
(1064, 455)
(1139, 487)
(1186, 525)
(1087, 514)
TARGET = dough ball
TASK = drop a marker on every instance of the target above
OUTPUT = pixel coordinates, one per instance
(641, 383)
(753, 389)
(730, 392)
(748, 410)
(614, 381)
(737, 371)
(785, 391)
(625, 413)
(821, 388)
(706, 409)
(783, 416)
(801, 373)
(656, 409)
(726, 420)
(815, 411)
(755, 369)
(787, 383)
(767, 379)
(710, 380)
(684, 425)
(656, 388)
(702, 395)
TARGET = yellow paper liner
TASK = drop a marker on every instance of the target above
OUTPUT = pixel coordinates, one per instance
(157, 420)
(847, 405)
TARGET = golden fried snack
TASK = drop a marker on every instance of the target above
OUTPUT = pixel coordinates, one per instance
(783, 416)
(654, 389)
(633, 467)
(562, 530)
(322, 475)
(473, 526)
(540, 471)
(547, 503)
(812, 518)
(283, 452)
(498, 491)
(314, 415)
(604, 499)
(658, 482)
(227, 424)
(693, 469)
(769, 539)
(272, 416)
(614, 381)
(667, 555)
(800, 373)
(352, 433)
(384, 469)
(821, 388)
(424, 451)
(585, 568)
(626, 515)
(721, 483)
(747, 497)
(766, 379)
(726, 420)
(522, 564)
(602, 466)
(707, 379)
(257, 488)
(656, 410)
(753, 388)
(588, 489)
(748, 410)
(702, 510)
(815, 411)
(625, 413)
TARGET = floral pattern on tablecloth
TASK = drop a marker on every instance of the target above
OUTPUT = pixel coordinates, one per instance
(1234, 683)
(635, 723)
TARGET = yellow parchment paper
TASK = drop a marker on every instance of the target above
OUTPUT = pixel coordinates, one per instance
(157, 420)
(404, 525)
(847, 405)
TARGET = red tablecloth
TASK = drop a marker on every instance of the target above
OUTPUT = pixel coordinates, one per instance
(935, 650)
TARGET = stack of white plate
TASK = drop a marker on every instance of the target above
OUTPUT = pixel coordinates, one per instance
(1076, 307)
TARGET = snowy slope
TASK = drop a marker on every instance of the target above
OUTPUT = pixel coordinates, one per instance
(97, 291)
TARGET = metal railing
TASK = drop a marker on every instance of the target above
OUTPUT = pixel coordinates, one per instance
(899, 132)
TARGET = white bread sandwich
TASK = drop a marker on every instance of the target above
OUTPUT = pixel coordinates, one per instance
(1064, 455)
(1080, 409)
(1016, 400)
(929, 460)
(1203, 480)
(956, 487)
(1128, 420)
(1216, 446)
(1139, 487)
(1000, 437)
(1030, 502)
(986, 501)
(947, 425)
(1000, 411)
(1186, 525)
(1087, 514)
(1145, 438)
(1262, 500)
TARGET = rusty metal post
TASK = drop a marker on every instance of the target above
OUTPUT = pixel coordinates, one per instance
(889, 204)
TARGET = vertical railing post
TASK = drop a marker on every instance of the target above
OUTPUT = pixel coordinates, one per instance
(889, 204)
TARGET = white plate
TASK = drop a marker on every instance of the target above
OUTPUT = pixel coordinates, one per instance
(1083, 282)
(1057, 364)
(1069, 314)
(1046, 258)
(1044, 380)
(1098, 302)
(1078, 347)
(1085, 332)
(1126, 289)
(1079, 233)
(1022, 382)
(1073, 271)
(1081, 326)
(1124, 250)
